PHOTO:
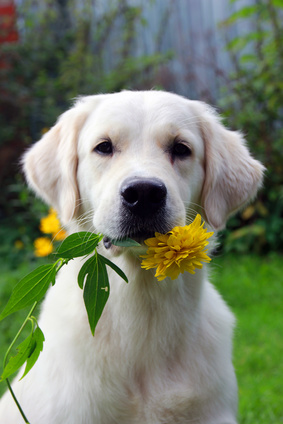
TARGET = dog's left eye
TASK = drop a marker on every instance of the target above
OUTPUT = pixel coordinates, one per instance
(104, 148)
(180, 150)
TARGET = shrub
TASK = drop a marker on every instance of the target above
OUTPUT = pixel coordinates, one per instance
(253, 101)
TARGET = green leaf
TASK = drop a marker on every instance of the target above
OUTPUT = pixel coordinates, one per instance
(93, 279)
(125, 242)
(30, 289)
(278, 3)
(28, 351)
(36, 348)
(114, 267)
(15, 362)
(237, 43)
(87, 268)
(78, 244)
(243, 13)
(96, 288)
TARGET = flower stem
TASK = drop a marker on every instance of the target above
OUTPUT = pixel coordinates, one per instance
(6, 358)
(16, 401)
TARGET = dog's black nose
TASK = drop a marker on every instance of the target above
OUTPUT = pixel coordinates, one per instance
(143, 196)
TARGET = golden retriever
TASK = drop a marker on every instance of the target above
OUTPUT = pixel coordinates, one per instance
(126, 165)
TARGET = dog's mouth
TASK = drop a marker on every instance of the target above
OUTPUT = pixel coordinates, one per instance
(107, 242)
(135, 228)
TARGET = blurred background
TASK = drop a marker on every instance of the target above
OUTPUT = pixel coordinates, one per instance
(227, 53)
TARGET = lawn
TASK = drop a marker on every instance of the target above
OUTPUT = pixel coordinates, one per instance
(253, 287)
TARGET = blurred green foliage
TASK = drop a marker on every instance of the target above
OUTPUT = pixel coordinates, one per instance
(62, 53)
(253, 101)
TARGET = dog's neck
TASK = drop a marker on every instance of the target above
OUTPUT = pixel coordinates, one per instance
(146, 302)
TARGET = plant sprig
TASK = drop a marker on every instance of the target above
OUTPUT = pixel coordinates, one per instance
(92, 279)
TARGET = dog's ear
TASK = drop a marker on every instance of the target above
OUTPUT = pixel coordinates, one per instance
(232, 176)
(50, 165)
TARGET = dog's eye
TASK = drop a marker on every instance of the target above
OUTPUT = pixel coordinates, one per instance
(104, 148)
(180, 150)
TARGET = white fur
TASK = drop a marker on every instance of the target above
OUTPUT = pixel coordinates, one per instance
(162, 350)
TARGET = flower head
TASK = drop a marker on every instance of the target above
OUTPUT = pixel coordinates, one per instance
(19, 244)
(50, 224)
(43, 246)
(60, 235)
(180, 250)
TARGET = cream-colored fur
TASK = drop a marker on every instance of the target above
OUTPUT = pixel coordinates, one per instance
(162, 350)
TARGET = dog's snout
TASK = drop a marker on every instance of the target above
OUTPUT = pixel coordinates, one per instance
(143, 197)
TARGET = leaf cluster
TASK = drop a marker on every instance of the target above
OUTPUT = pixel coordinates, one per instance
(92, 279)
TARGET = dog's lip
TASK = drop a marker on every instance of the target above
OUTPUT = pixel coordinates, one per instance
(107, 242)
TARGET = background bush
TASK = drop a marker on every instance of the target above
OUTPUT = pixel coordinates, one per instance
(62, 53)
(252, 100)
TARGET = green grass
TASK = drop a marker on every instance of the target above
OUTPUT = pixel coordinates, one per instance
(253, 287)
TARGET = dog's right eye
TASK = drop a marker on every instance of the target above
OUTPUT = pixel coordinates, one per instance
(104, 148)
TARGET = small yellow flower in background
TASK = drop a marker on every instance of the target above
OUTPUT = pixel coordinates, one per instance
(61, 235)
(19, 244)
(50, 224)
(44, 130)
(43, 246)
(180, 250)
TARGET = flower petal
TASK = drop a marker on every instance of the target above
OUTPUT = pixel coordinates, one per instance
(180, 250)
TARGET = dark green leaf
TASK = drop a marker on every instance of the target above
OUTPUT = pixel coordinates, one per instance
(36, 348)
(114, 267)
(87, 268)
(126, 242)
(30, 289)
(96, 290)
(15, 362)
(78, 244)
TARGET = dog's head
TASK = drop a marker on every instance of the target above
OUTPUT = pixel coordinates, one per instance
(132, 163)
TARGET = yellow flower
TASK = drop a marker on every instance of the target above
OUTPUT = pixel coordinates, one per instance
(19, 244)
(50, 223)
(43, 246)
(61, 235)
(180, 250)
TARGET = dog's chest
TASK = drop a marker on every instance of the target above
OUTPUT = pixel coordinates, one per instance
(147, 402)
(157, 390)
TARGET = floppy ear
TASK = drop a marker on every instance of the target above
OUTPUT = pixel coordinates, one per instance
(50, 165)
(232, 176)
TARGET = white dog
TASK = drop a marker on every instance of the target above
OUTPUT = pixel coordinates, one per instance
(127, 165)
